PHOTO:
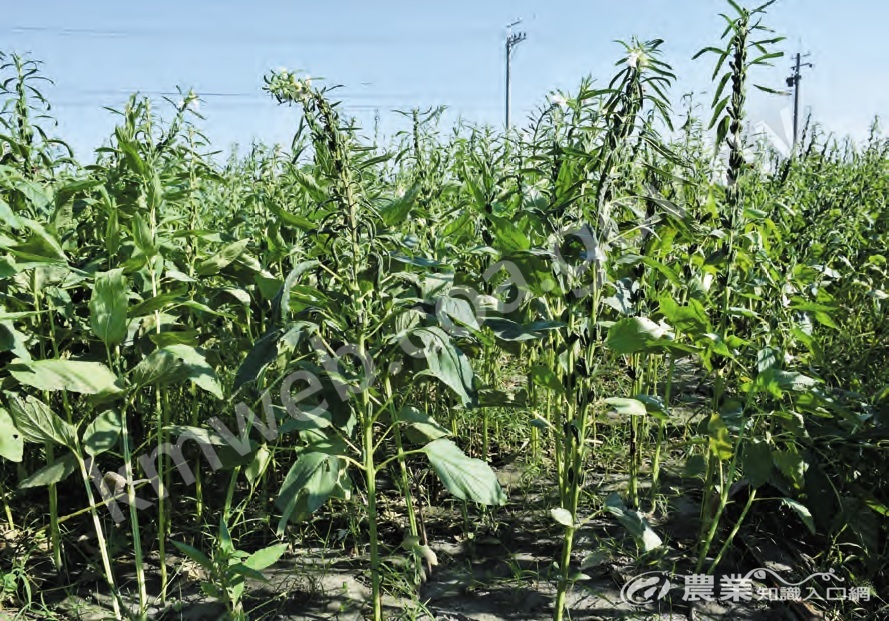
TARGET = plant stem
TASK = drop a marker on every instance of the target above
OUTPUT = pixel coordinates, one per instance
(371, 479)
(402, 465)
(100, 536)
(134, 515)
(734, 531)
(564, 567)
(230, 493)
(662, 424)
(6, 508)
(55, 535)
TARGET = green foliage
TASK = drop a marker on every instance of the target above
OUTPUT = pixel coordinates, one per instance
(228, 570)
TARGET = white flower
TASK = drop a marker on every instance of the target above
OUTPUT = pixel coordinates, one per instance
(307, 81)
(190, 101)
(558, 100)
(637, 59)
(707, 281)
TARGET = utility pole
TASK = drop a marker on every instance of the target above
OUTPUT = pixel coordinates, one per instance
(512, 40)
(376, 127)
(793, 81)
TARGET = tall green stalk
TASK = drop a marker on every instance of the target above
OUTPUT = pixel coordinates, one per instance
(134, 512)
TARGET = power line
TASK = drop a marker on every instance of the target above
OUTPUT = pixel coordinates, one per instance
(269, 103)
(336, 94)
(254, 38)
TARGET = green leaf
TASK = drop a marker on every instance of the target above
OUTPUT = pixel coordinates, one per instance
(13, 340)
(722, 130)
(200, 373)
(89, 378)
(265, 558)
(7, 216)
(102, 434)
(775, 381)
(312, 480)
(691, 319)
(877, 506)
(507, 236)
(200, 435)
(38, 245)
(396, 211)
(108, 307)
(194, 554)
(420, 427)
(802, 511)
(594, 559)
(488, 398)
(635, 334)
(478, 194)
(655, 406)
(188, 337)
(225, 537)
(563, 517)
(447, 363)
(635, 523)
(158, 302)
(242, 570)
(460, 225)
(720, 441)
(792, 465)
(695, 466)
(112, 233)
(765, 57)
(546, 377)
(12, 441)
(262, 354)
(223, 258)
(453, 311)
(756, 462)
(158, 368)
(466, 478)
(507, 330)
(825, 320)
(258, 466)
(176, 363)
(52, 473)
(143, 237)
(717, 110)
(627, 407)
(767, 358)
(39, 424)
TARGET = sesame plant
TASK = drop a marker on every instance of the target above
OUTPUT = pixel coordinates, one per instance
(228, 568)
(363, 338)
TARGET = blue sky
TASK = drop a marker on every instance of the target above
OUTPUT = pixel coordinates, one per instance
(397, 55)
